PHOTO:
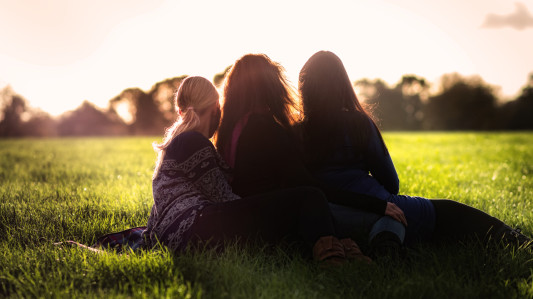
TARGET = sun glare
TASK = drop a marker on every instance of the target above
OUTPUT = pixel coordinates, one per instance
(375, 39)
(123, 111)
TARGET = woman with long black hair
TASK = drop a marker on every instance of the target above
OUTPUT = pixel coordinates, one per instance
(345, 148)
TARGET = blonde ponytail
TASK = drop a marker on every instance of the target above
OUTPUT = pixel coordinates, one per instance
(194, 95)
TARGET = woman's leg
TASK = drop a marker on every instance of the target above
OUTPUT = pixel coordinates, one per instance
(420, 215)
(457, 220)
(293, 214)
(350, 222)
(387, 237)
(298, 214)
(384, 234)
(454, 219)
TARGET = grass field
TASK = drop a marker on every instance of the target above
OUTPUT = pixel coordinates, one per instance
(78, 189)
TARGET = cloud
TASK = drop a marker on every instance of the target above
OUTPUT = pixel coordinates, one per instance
(520, 19)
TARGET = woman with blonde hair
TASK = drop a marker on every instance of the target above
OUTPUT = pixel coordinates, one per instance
(193, 201)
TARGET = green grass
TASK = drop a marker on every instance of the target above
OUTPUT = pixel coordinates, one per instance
(78, 189)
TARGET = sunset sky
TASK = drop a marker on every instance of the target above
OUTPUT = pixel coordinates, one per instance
(57, 53)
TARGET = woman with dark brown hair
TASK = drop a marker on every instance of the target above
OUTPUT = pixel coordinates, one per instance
(256, 137)
(344, 148)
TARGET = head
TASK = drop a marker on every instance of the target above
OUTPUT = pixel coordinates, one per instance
(255, 84)
(195, 99)
(198, 108)
(331, 108)
(325, 87)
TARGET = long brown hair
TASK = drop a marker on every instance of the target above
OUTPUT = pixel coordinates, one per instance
(255, 84)
(331, 109)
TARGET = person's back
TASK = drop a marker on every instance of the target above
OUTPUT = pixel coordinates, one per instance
(265, 158)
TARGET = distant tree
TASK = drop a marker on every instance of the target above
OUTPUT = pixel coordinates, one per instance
(397, 108)
(378, 101)
(388, 104)
(148, 113)
(18, 118)
(518, 114)
(463, 104)
(218, 79)
(163, 94)
(414, 90)
(146, 118)
(39, 124)
(87, 120)
(14, 107)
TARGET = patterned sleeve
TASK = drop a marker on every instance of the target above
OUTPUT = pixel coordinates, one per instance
(194, 157)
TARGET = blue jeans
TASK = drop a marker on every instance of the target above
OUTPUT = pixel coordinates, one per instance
(351, 222)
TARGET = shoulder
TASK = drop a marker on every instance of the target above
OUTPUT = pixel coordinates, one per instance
(363, 120)
(371, 122)
(373, 128)
(365, 124)
(186, 144)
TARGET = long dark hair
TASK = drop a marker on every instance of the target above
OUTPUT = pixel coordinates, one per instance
(331, 109)
(255, 84)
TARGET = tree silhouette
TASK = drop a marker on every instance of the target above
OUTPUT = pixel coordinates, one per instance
(14, 107)
(397, 108)
(218, 79)
(149, 113)
(87, 120)
(463, 104)
(40, 124)
(146, 117)
(163, 95)
(518, 114)
(414, 91)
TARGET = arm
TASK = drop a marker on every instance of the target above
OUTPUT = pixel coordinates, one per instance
(380, 163)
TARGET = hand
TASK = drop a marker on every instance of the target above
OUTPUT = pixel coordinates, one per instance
(396, 213)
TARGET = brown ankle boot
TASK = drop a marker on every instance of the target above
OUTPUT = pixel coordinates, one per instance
(329, 251)
(353, 252)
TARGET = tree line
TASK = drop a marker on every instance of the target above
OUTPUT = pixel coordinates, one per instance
(460, 103)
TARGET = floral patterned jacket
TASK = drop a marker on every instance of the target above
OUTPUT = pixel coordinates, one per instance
(192, 176)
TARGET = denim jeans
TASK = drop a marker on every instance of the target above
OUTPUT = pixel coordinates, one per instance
(363, 226)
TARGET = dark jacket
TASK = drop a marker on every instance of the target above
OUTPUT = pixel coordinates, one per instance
(267, 158)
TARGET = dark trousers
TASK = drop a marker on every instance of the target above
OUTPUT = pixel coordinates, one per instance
(297, 214)
(457, 220)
